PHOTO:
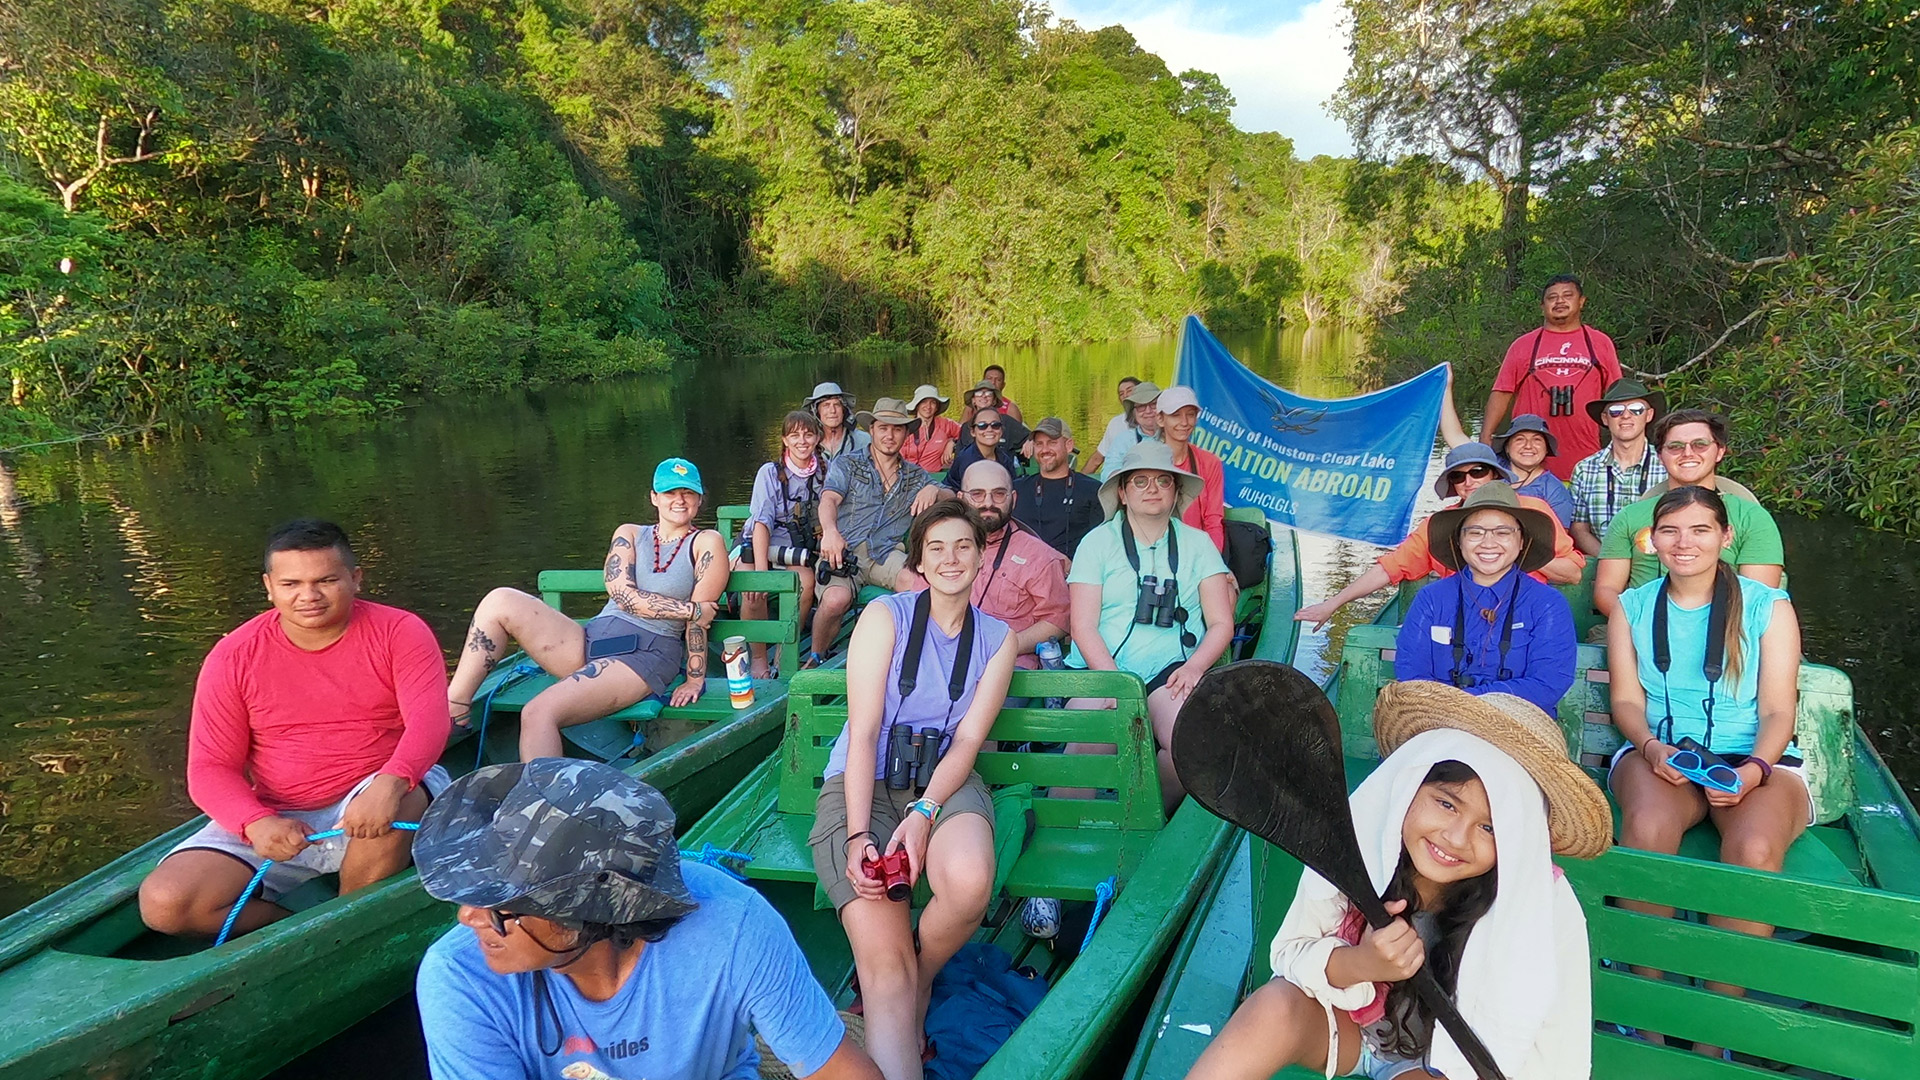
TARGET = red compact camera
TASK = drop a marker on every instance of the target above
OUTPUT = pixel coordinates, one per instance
(895, 872)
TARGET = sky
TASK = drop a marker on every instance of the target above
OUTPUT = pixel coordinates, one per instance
(1281, 58)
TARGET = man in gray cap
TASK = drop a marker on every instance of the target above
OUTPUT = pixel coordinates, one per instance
(567, 875)
(1061, 506)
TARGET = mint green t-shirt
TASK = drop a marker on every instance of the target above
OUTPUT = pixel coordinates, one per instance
(1683, 689)
(1101, 560)
(1756, 539)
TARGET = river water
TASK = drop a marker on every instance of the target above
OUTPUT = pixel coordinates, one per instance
(119, 567)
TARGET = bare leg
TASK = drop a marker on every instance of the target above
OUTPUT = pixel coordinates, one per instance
(190, 893)
(1085, 747)
(599, 688)
(1275, 1027)
(826, 618)
(552, 640)
(882, 944)
(1654, 815)
(1756, 834)
(960, 867)
(1162, 711)
(753, 605)
(369, 862)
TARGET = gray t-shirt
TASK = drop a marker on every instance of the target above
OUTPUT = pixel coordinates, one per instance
(675, 581)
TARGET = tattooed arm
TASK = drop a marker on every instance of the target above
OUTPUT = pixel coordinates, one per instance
(709, 581)
(623, 587)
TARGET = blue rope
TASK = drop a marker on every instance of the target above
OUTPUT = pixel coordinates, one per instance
(1102, 903)
(260, 875)
(712, 856)
(518, 672)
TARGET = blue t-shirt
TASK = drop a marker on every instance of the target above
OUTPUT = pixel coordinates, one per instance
(1736, 704)
(1548, 489)
(1102, 560)
(687, 1012)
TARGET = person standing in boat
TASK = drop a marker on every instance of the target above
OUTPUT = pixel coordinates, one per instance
(985, 443)
(663, 590)
(1179, 415)
(1025, 584)
(931, 663)
(1118, 425)
(1624, 470)
(1457, 825)
(784, 515)
(1060, 505)
(1151, 595)
(1490, 628)
(838, 434)
(586, 948)
(932, 438)
(325, 712)
(1555, 372)
(996, 377)
(1691, 444)
(1707, 654)
(1467, 467)
(1525, 445)
(1143, 423)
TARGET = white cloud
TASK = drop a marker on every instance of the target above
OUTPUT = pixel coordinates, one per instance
(1281, 75)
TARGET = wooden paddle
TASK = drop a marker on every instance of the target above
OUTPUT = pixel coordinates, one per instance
(1258, 744)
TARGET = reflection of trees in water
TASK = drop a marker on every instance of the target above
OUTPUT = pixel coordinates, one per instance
(28, 560)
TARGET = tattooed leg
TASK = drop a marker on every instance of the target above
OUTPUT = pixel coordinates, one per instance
(551, 639)
(600, 687)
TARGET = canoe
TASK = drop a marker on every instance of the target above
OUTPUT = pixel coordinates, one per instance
(1157, 867)
(1836, 993)
(90, 992)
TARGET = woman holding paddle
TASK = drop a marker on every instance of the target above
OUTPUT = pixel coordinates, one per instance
(1457, 827)
(926, 674)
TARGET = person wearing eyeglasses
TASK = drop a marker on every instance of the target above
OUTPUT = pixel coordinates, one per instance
(1467, 467)
(1625, 469)
(1691, 444)
(986, 432)
(1024, 583)
(586, 948)
(1490, 628)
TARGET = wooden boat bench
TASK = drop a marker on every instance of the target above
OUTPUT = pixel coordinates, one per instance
(1074, 844)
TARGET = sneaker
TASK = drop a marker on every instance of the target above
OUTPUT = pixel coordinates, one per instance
(1040, 917)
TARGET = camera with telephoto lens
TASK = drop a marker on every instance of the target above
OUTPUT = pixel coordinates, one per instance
(1159, 603)
(789, 556)
(895, 872)
(912, 756)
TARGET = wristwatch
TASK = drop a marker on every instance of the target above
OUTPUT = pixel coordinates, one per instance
(926, 808)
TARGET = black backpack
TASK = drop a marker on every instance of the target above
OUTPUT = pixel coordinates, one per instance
(1249, 548)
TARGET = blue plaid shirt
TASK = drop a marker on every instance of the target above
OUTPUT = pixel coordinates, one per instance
(1602, 489)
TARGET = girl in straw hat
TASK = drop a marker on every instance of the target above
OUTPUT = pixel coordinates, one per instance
(1457, 826)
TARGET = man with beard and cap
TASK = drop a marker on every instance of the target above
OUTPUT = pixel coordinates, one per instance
(1024, 583)
(567, 877)
(1060, 505)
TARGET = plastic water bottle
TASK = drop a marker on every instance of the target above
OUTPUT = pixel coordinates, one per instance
(1051, 660)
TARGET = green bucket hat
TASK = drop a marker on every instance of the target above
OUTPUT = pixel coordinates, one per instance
(1536, 527)
(1627, 390)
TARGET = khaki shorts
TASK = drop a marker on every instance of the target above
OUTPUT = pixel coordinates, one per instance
(879, 574)
(829, 836)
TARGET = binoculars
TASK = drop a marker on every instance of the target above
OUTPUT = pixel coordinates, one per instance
(1159, 603)
(912, 756)
(1559, 401)
(849, 568)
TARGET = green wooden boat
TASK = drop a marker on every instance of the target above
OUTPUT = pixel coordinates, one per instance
(1836, 993)
(1162, 865)
(89, 992)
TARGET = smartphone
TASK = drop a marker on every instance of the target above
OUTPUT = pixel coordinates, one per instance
(612, 646)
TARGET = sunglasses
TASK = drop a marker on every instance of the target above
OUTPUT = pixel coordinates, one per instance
(1636, 408)
(1698, 446)
(988, 427)
(498, 918)
(1477, 472)
(1704, 767)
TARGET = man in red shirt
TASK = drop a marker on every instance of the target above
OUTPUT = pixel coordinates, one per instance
(325, 712)
(1554, 372)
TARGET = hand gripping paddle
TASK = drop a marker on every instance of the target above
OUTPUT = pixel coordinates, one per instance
(1258, 744)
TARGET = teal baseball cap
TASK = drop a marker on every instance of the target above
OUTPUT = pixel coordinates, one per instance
(677, 474)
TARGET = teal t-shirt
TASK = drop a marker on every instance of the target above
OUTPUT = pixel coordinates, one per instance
(1756, 539)
(1101, 560)
(1683, 689)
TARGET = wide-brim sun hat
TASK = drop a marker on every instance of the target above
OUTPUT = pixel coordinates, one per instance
(1154, 456)
(922, 393)
(998, 398)
(1526, 422)
(889, 411)
(560, 838)
(1469, 453)
(1627, 390)
(827, 390)
(1536, 527)
(1578, 819)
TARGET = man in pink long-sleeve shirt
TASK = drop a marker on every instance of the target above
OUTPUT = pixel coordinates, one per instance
(325, 712)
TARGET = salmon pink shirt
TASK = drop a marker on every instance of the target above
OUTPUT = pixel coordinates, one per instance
(276, 727)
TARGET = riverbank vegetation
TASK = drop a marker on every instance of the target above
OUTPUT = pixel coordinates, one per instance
(276, 209)
(1737, 183)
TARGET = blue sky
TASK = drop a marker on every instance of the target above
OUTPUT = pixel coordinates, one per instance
(1281, 58)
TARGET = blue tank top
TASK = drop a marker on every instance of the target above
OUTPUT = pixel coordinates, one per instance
(1736, 703)
(928, 705)
(675, 581)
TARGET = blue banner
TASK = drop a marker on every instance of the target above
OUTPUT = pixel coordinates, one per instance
(1351, 467)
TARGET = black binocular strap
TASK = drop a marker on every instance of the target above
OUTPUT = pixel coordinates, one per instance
(917, 640)
(1460, 678)
(1533, 365)
(1715, 662)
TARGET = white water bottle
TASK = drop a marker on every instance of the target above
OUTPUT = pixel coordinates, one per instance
(733, 653)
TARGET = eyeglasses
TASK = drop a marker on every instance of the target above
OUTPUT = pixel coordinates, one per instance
(1149, 481)
(1698, 446)
(1478, 472)
(1630, 408)
(498, 918)
(988, 427)
(1704, 767)
(1473, 534)
(994, 495)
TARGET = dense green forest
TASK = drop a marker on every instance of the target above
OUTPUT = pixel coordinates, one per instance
(1737, 182)
(283, 208)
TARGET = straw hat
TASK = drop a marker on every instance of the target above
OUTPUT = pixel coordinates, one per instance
(1536, 528)
(1626, 390)
(922, 393)
(1157, 456)
(1577, 815)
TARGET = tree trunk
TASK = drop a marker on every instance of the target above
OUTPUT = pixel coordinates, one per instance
(1513, 227)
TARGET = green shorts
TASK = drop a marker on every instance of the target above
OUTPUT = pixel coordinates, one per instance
(829, 836)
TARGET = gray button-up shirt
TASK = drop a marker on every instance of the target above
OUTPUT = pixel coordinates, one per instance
(871, 513)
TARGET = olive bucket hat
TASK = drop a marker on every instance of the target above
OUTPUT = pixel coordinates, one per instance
(1536, 527)
(1626, 390)
(575, 841)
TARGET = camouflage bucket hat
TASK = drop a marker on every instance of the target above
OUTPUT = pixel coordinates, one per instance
(571, 840)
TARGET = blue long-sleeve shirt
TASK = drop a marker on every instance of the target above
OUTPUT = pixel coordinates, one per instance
(1540, 657)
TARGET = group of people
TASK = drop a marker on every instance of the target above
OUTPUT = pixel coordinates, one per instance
(328, 712)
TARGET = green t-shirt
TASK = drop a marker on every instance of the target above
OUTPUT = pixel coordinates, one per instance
(1756, 539)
